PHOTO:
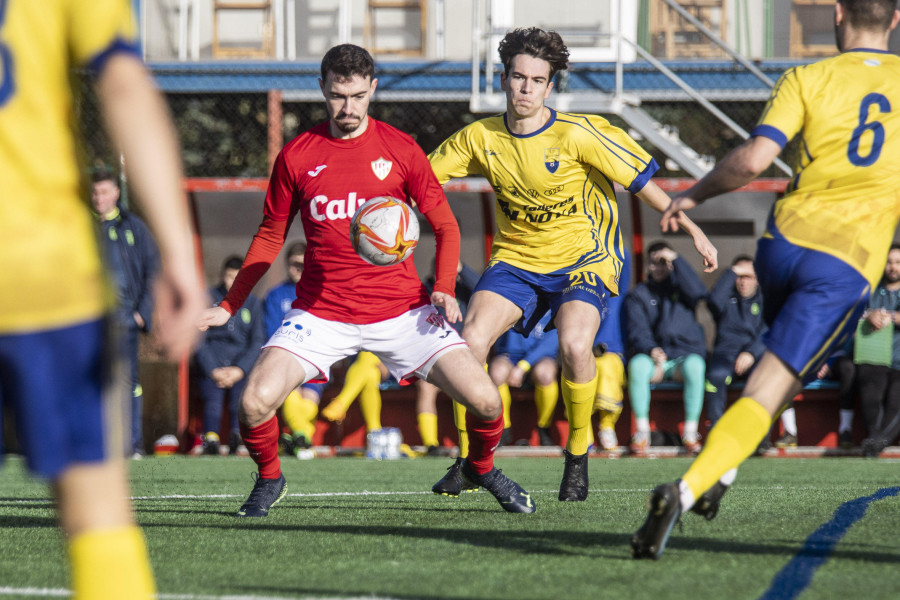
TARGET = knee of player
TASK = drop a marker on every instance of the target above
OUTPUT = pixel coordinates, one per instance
(259, 399)
(578, 356)
(484, 403)
(478, 340)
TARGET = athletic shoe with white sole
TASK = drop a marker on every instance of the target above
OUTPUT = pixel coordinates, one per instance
(608, 439)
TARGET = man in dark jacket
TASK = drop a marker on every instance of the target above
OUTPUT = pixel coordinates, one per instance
(736, 305)
(225, 358)
(132, 261)
(665, 341)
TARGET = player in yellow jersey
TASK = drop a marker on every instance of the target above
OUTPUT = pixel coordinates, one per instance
(825, 242)
(54, 337)
(558, 245)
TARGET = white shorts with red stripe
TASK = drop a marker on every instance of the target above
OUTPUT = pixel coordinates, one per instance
(408, 345)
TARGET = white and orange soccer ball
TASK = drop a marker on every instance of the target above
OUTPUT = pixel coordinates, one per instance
(384, 231)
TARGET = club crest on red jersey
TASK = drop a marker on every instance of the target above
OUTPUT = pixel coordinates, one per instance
(381, 168)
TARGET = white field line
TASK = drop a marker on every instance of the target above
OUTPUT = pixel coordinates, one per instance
(362, 493)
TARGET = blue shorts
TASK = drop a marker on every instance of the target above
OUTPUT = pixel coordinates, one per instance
(318, 388)
(58, 383)
(536, 293)
(812, 302)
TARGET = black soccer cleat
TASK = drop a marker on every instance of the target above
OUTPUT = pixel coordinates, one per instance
(574, 485)
(544, 437)
(707, 505)
(287, 443)
(663, 511)
(511, 496)
(266, 493)
(452, 484)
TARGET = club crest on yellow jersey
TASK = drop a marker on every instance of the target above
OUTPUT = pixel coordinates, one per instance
(551, 159)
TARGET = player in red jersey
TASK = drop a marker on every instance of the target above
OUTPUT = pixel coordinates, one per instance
(345, 305)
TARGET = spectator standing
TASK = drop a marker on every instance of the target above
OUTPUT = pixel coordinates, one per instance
(879, 385)
(736, 304)
(224, 359)
(132, 260)
(665, 341)
(302, 404)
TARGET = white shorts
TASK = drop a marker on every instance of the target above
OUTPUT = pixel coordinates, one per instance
(408, 345)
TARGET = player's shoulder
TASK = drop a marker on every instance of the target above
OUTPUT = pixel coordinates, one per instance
(391, 133)
(483, 128)
(577, 125)
(312, 136)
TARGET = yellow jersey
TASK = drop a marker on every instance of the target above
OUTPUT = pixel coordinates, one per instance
(556, 208)
(51, 274)
(844, 197)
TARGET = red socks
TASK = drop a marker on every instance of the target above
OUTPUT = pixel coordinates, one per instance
(262, 443)
(483, 439)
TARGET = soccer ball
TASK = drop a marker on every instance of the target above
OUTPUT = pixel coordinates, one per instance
(384, 231)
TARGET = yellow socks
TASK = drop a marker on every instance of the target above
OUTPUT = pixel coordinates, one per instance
(459, 418)
(362, 379)
(545, 399)
(428, 429)
(300, 414)
(370, 401)
(506, 398)
(731, 441)
(579, 401)
(110, 564)
(610, 389)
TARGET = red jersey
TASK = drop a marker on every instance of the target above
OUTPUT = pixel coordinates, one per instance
(325, 179)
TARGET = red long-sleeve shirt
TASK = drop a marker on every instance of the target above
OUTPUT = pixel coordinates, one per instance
(324, 180)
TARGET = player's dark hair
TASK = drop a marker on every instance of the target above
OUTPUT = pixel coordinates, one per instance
(296, 249)
(741, 258)
(546, 45)
(873, 15)
(232, 262)
(657, 246)
(104, 175)
(346, 60)
(894, 246)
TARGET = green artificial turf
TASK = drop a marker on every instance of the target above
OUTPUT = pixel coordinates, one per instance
(352, 527)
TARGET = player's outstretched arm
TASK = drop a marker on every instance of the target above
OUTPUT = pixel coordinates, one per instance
(739, 167)
(654, 197)
(138, 122)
